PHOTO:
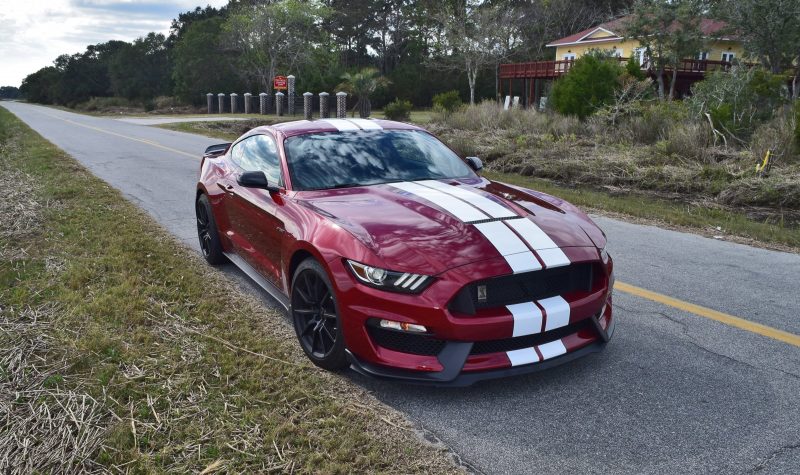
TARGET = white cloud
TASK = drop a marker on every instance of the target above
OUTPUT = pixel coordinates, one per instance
(34, 32)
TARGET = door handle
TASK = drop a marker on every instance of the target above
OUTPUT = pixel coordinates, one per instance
(226, 187)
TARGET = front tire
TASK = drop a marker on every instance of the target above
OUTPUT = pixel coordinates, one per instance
(315, 314)
(210, 244)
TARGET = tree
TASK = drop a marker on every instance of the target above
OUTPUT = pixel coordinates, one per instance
(200, 63)
(361, 85)
(770, 30)
(9, 92)
(475, 37)
(589, 85)
(141, 70)
(41, 86)
(669, 31)
(272, 36)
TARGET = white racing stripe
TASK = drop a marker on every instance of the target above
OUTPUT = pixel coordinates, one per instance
(551, 254)
(366, 124)
(556, 311)
(552, 349)
(523, 356)
(342, 125)
(510, 246)
(527, 318)
(452, 205)
(493, 209)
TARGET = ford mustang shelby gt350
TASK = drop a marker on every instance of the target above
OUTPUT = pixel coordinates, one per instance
(393, 256)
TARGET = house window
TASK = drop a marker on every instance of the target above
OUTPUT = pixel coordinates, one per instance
(617, 52)
(569, 56)
(728, 56)
(641, 55)
(703, 56)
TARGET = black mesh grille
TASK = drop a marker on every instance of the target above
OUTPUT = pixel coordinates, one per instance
(527, 287)
(527, 341)
(405, 342)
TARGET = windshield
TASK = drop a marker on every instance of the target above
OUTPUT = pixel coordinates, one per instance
(345, 159)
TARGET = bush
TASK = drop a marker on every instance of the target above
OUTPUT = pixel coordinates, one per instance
(447, 102)
(398, 110)
(634, 69)
(588, 85)
(690, 140)
(777, 135)
(738, 100)
(797, 123)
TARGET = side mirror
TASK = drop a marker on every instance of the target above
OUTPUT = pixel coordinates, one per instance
(256, 180)
(475, 163)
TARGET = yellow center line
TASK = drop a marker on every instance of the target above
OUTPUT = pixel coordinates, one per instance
(737, 322)
(144, 141)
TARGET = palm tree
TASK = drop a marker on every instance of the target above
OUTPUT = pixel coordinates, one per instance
(361, 85)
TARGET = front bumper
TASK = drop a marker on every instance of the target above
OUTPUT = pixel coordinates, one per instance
(454, 357)
(466, 348)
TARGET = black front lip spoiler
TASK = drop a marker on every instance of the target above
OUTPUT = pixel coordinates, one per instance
(453, 357)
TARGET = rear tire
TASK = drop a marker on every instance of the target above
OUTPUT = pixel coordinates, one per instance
(210, 245)
(315, 314)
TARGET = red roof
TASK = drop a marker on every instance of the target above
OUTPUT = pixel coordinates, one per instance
(617, 28)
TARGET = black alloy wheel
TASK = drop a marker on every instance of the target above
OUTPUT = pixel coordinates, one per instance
(315, 316)
(210, 244)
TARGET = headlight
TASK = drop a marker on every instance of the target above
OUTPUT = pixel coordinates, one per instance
(604, 255)
(389, 280)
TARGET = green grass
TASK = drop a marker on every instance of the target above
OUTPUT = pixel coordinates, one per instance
(665, 211)
(125, 347)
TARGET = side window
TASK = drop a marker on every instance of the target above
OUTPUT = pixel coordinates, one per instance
(259, 153)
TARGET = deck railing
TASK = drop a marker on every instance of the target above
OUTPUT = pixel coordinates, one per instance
(554, 69)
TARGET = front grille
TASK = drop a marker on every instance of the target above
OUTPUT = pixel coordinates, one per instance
(527, 341)
(405, 342)
(526, 287)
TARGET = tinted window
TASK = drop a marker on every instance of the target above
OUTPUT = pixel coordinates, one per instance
(341, 159)
(258, 153)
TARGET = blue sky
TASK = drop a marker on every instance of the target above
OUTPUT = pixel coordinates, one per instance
(34, 32)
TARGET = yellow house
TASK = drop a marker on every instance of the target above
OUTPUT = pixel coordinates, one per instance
(528, 80)
(610, 36)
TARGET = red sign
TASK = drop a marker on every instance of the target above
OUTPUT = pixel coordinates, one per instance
(280, 82)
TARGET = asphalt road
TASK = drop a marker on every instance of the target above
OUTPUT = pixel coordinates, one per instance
(673, 392)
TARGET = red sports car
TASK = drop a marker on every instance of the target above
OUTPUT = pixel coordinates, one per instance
(395, 258)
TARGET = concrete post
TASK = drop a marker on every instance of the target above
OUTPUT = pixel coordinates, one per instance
(341, 104)
(210, 102)
(290, 90)
(324, 111)
(262, 103)
(234, 102)
(247, 102)
(279, 103)
(307, 98)
(221, 97)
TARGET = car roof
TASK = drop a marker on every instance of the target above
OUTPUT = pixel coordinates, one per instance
(301, 127)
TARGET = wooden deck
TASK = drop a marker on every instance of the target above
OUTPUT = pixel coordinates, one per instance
(555, 69)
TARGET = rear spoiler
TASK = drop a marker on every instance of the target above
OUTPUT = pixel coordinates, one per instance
(216, 150)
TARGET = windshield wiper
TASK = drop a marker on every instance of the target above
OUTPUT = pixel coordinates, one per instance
(346, 185)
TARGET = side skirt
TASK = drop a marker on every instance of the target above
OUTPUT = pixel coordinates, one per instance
(271, 289)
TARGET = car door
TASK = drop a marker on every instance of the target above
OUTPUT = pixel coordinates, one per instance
(256, 229)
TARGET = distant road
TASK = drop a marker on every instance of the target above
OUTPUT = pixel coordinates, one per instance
(675, 391)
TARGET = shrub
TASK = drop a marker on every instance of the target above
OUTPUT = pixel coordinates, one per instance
(777, 135)
(398, 110)
(797, 123)
(588, 85)
(446, 102)
(738, 100)
(634, 69)
(690, 140)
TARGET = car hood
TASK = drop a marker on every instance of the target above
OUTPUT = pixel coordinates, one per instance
(412, 232)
